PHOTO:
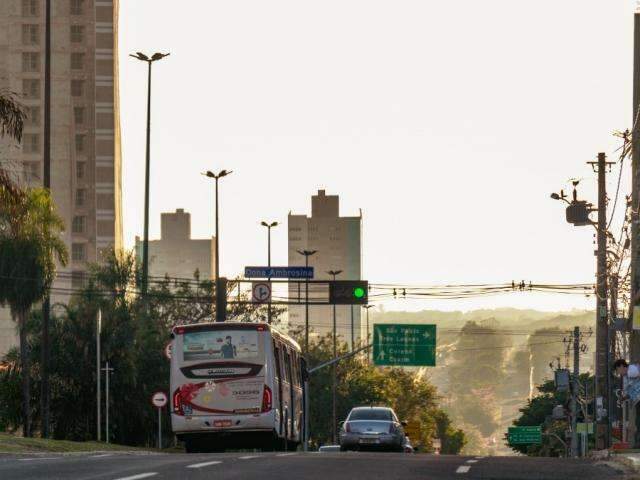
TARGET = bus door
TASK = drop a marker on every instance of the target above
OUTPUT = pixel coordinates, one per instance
(292, 402)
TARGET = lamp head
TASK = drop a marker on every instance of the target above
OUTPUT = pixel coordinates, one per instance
(140, 56)
(159, 56)
(555, 196)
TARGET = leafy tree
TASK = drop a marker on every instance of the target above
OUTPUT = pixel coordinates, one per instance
(538, 411)
(30, 245)
(11, 116)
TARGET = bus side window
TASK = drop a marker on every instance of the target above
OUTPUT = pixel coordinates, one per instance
(276, 351)
(287, 366)
(295, 368)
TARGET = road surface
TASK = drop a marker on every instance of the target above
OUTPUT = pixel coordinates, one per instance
(279, 466)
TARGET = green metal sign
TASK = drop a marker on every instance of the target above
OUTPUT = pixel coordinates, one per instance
(404, 345)
(525, 435)
(585, 428)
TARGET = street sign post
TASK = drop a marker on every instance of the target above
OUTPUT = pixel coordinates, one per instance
(404, 345)
(525, 435)
(278, 272)
(159, 400)
(261, 292)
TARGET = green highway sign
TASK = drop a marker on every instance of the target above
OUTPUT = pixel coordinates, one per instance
(525, 435)
(404, 345)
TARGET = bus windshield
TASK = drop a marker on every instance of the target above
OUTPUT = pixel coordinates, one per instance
(221, 345)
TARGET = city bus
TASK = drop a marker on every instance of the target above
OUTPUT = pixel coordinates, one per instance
(234, 386)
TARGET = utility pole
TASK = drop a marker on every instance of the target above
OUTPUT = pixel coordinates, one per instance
(307, 254)
(367, 307)
(269, 227)
(334, 432)
(635, 194)
(107, 373)
(574, 391)
(46, 303)
(98, 374)
(602, 324)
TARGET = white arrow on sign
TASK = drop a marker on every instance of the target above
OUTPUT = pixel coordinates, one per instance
(261, 292)
(159, 399)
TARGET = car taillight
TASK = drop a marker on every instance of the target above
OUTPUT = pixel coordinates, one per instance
(177, 404)
(266, 399)
(347, 427)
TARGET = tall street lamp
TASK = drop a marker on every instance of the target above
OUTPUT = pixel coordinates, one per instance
(216, 177)
(307, 254)
(333, 274)
(220, 285)
(145, 243)
(269, 227)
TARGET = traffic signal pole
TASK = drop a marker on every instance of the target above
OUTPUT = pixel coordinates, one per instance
(575, 385)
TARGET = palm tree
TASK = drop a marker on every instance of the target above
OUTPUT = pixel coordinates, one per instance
(11, 116)
(30, 244)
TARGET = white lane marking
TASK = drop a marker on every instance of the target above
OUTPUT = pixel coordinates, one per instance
(102, 455)
(472, 461)
(37, 458)
(203, 464)
(463, 469)
(285, 454)
(141, 475)
(248, 457)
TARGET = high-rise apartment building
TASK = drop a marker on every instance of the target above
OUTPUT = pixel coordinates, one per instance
(176, 254)
(85, 127)
(337, 241)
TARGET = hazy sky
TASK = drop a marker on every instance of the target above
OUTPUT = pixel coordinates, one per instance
(447, 122)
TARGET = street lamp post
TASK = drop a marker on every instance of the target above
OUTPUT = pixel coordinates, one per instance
(333, 274)
(307, 254)
(145, 242)
(217, 176)
(367, 307)
(269, 227)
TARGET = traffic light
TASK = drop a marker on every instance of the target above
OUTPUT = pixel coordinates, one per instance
(348, 292)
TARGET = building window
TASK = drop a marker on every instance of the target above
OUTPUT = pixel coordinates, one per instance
(78, 252)
(77, 61)
(77, 279)
(30, 35)
(31, 143)
(77, 7)
(30, 61)
(80, 170)
(81, 194)
(78, 224)
(78, 115)
(29, 8)
(32, 171)
(77, 33)
(31, 88)
(33, 116)
(80, 143)
(77, 88)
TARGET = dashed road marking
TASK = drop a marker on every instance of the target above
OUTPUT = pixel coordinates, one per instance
(102, 455)
(248, 457)
(37, 458)
(472, 461)
(285, 454)
(463, 469)
(141, 475)
(203, 464)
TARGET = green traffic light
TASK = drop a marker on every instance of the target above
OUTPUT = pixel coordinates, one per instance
(359, 292)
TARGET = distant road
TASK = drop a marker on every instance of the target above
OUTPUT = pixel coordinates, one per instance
(281, 466)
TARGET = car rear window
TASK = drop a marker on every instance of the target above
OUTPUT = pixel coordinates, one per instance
(371, 414)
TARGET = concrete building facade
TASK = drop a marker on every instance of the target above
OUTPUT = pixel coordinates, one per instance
(176, 254)
(85, 126)
(338, 243)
